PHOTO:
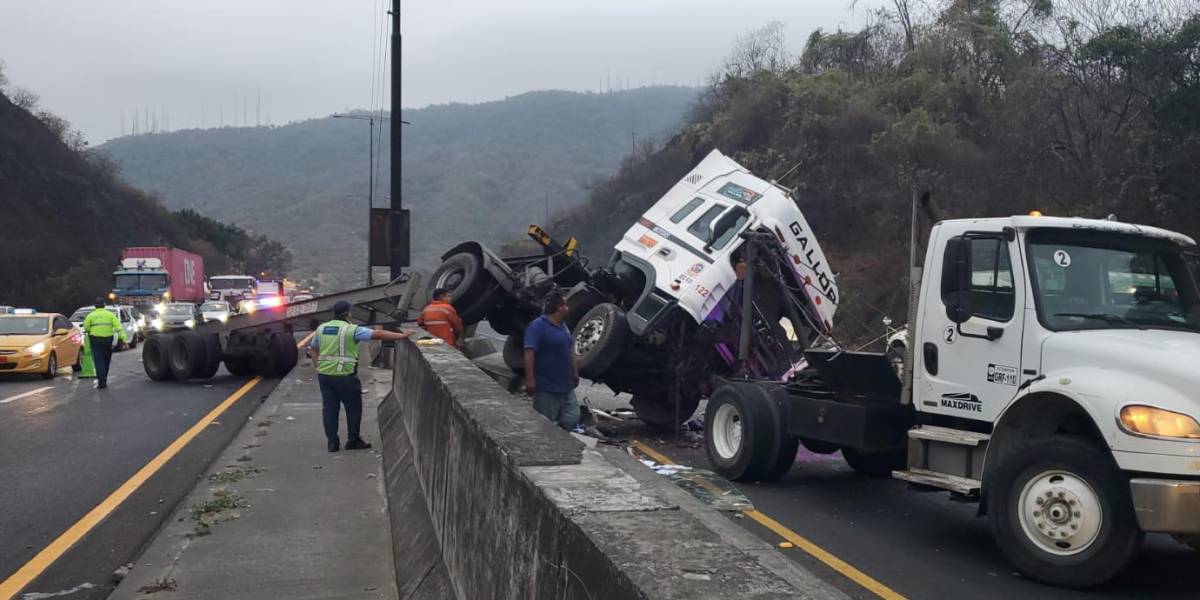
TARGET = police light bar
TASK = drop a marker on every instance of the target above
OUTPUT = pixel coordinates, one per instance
(24, 311)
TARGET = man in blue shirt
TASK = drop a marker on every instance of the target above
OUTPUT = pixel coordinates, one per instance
(550, 373)
(334, 353)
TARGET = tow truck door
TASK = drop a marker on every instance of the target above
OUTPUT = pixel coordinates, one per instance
(961, 372)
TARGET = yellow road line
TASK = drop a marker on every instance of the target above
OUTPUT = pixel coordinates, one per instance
(39, 563)
(817, 552)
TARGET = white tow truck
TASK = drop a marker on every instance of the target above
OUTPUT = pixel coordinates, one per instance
(1053, 376)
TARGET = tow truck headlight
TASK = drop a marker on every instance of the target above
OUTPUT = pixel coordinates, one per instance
(37, 348)
(1147, 420)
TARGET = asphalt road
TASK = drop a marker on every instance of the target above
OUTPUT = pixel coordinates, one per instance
(920, 544)
(65, 446)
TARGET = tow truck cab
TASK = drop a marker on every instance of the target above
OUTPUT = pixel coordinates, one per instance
(1053, 379)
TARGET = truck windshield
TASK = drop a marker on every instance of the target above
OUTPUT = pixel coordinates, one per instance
(232, 283)
(131, 282)
(1100, 280)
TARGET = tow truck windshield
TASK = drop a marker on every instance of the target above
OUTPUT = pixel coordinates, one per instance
(1099, 280)
(139, 282)
(24, 325)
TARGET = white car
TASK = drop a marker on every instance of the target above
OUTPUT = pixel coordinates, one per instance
(215, 311)
(661, 319)
(129, 322)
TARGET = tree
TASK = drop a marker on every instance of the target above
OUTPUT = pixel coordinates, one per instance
(24, 98)
(762, 49)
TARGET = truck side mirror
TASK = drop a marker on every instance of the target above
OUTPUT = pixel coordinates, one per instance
(956, 279)
(730, 219)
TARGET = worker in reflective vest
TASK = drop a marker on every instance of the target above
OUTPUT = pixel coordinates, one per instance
(334, 351)
(440, 318)
(101, 326)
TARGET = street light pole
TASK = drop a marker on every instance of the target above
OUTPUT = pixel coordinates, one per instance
(370, 119)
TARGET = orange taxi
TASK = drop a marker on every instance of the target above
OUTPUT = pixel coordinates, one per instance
(33, 342)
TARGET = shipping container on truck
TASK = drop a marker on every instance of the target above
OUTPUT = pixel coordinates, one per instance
(149, 275)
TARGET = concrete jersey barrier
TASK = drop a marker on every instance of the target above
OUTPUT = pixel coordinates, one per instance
(520, 509)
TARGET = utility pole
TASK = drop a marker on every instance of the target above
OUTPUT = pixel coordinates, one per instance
(399, 220)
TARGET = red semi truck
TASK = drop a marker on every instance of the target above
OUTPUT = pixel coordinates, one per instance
(149, 275)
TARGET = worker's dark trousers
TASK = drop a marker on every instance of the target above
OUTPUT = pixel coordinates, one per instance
(102, 350)
(337, 390)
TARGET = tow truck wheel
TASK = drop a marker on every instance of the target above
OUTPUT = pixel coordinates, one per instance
(187, 356)
(880, 464)
(600, 338)
(154, 356)
(1061, 511)
(514, 352)
(473, 291)
(740, 434)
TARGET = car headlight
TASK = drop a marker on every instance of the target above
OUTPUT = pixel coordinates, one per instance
(158, 324)
(1147, 420)
(37, 348)
(190, 323)
(160, 308)
(224, 317)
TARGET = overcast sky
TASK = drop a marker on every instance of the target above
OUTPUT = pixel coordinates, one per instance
(92, 60)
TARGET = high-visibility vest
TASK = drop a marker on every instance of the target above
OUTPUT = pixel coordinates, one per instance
(102, 323)
(440, 319)
(338, 350)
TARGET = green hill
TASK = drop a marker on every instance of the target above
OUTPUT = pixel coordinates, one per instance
(481, 171)
(995, 113)
(66, 218)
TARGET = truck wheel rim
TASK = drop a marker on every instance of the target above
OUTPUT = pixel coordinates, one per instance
(589, 335)
(450, 280)
(726, 430)
(1060, 513)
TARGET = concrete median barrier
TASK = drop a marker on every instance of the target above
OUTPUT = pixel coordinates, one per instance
(490, 500)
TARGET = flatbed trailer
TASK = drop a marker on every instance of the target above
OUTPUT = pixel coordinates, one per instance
(263, 342)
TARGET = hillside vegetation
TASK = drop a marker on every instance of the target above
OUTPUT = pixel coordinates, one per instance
(479, 171)
(66, 217)
(1077, 108)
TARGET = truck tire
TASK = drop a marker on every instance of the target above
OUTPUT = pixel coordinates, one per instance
(240, 365)
(880, 464)
(187, 356)
(600, 337)
(819, 447)
(1061, 511)
(282, 356)
(212, 352)
(740, 434)
(660, 415)
(514, 352)
(154, 357)
(473, 291)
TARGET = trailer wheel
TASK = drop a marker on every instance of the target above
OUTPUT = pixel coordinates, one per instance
(879, 464)
(739, 433)
(473, 291)
(514, 352)
(187, 355)
(240, 365)
(212, 354)
(154, 356)
(282, 356)
(1061, 511)
(600, 338)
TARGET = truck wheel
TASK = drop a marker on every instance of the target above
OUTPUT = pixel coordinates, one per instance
(739, 432)
(212, 352)
(240, 365)
(878, 464)
(600, 338)
(819, 447)
(473, 291)
(187, 356)
(658, 414)
(282, 356)
(1061, 511)
(514, 352)
(154, 357)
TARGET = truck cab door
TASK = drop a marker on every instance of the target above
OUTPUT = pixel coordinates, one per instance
(971, 369)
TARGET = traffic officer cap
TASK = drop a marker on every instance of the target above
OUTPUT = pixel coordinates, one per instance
(340, 308)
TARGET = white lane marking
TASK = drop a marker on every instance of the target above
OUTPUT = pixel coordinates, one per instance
(26, 394)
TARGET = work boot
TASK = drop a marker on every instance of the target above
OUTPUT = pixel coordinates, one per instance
(102, 385)
(358, 444)
(333, 446)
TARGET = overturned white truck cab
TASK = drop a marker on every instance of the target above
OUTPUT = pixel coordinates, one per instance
(662, 319)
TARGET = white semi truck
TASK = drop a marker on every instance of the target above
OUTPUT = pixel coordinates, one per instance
(1053, 376)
